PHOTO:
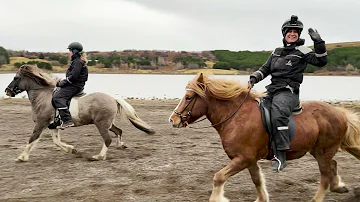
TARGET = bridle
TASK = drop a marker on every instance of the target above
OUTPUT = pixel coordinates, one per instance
(188, 114)
(15, 90)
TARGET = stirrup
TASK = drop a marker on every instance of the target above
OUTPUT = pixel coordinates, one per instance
(62, 127)
(278, 160)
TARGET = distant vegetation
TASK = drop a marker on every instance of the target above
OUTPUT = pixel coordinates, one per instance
(4, 56)
(41, 65)
(341, 57)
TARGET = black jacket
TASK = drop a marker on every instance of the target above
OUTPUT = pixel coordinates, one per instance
(287, 64)
(77, 73)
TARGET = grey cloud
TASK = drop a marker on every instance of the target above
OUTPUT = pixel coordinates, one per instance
(191, 25)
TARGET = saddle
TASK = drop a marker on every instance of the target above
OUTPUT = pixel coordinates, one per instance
(265, 105)
(57, 120)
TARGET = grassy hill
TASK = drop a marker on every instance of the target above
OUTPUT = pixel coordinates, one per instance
(343, 57)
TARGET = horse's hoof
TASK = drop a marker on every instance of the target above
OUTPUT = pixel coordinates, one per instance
(91, 158)
(151, 132)
(96, 158)
(122, 147)
(220, 200)
(22, 158)
(340, 190)
(74, 151)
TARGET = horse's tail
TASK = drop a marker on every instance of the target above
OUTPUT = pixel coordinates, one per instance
(127, 110)
(351, 143)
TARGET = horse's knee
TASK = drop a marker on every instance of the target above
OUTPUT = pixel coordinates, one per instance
(218, 179)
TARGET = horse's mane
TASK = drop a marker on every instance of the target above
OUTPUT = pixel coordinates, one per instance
(39, 76)
(222, 89)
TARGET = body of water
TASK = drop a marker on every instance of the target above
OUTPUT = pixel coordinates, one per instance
(151, 86)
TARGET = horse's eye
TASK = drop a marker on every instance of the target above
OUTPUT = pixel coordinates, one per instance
(188, 98)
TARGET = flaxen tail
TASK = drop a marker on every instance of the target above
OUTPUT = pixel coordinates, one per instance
(129, 112)
(351, 143)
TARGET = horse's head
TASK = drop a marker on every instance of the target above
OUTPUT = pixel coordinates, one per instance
(192, 106)
(16, 85)
(28, 78)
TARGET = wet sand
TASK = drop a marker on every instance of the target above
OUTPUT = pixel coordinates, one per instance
(171, 165)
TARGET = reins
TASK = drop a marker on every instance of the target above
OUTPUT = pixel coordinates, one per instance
(247, 94)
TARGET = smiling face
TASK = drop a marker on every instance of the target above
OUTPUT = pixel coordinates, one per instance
(291, 36)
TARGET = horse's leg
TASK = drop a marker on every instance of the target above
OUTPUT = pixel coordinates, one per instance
(104, 131)
(236, 165)
(324, 159)
(118, 133)
(57, 140)
(259, 181)
(336, 185)
(35, 137)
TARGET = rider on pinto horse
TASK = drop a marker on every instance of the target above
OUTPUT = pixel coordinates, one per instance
(76, 76)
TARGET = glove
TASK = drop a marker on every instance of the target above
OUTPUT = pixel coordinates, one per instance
(61, 83)
(314, 35)
(251, 82)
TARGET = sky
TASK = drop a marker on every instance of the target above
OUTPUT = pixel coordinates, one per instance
(175, 25)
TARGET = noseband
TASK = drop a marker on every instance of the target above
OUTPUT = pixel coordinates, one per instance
(183, 118)
(188, 114)
(15, 90)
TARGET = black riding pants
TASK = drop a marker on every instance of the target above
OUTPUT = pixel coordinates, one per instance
(61, 100)
(283, 103)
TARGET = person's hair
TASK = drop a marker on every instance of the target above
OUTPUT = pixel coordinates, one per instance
(83, 57)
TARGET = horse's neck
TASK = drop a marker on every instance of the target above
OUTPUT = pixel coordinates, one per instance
(219, 111)
(40, 97)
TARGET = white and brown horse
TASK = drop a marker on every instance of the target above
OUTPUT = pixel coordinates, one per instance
(94, 108)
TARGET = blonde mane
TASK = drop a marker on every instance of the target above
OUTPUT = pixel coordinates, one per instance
(222, 89)
(42, 78)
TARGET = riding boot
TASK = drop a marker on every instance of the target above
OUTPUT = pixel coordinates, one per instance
(282, 143)
(278, 163)
(65, 118)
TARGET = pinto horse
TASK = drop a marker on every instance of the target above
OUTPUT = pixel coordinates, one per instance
(321, 129)
(94, 108)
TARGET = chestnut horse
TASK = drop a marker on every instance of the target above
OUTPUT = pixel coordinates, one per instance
(321, 129)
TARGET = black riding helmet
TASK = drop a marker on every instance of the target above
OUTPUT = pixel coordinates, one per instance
(292, 23)
(75, 46)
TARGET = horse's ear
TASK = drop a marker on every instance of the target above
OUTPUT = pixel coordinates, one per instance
(201, 78)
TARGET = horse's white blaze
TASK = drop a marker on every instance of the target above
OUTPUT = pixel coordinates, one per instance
(176, 108)
(24, 156)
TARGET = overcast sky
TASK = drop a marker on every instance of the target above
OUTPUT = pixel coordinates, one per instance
(189, 25)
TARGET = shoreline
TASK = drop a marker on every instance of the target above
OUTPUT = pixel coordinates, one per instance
(334, 102)
(187, 72)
